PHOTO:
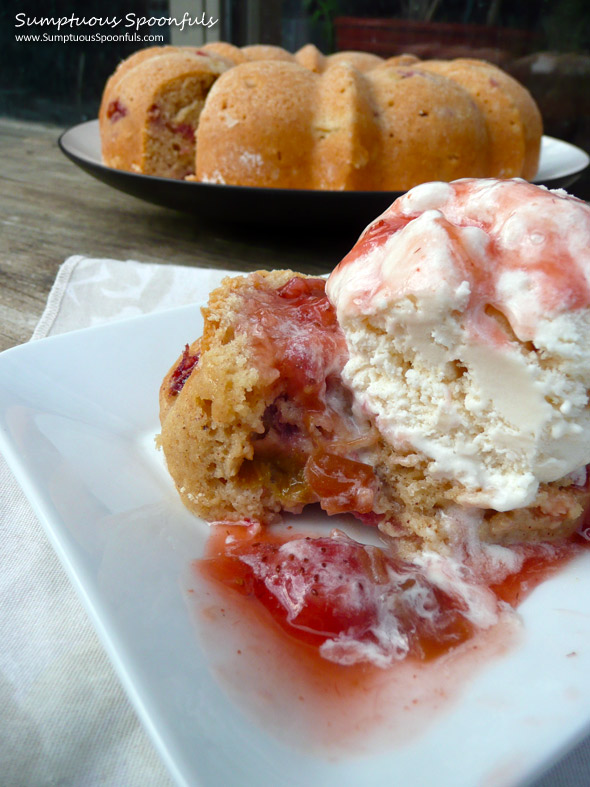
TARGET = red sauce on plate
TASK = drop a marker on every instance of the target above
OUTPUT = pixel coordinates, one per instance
(267, 654)
(343, 599)
(541, 562)
(333, 588)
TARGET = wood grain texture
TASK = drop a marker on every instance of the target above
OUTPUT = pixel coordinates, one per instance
(50, 209)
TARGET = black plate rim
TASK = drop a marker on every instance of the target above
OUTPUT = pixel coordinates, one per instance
(209, 199)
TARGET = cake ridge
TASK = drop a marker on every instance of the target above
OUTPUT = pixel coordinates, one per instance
(389, 124)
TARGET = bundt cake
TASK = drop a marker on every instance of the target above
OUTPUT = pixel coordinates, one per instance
(349, 121)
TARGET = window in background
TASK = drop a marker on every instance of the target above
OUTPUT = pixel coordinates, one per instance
(543, 43)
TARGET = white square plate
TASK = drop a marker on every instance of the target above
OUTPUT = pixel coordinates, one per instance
(78, 416)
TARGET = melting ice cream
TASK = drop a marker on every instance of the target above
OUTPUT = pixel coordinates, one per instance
(466, 310)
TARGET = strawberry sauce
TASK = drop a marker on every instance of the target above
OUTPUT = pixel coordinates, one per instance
(293, 330)
(269, 645)
(375, 235)
(352, 603)
(541, 561)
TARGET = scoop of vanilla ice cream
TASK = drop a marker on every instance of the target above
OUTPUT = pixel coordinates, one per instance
(466, 310)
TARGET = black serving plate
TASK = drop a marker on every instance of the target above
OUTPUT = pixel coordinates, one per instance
(561, 165)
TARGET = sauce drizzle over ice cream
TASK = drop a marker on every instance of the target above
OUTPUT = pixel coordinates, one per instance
(466, 310)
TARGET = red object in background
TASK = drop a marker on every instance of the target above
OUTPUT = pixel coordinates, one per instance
(387, 37)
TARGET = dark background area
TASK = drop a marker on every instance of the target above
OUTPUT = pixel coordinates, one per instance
(543, 43)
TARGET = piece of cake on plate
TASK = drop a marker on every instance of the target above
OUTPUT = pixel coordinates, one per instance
(437, 387)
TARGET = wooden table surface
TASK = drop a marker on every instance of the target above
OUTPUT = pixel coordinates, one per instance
(50, 209)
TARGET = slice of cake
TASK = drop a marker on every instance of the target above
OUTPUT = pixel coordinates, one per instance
(255, 419)
(151, 106)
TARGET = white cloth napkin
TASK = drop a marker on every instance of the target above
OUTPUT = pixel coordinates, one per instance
(65, 719)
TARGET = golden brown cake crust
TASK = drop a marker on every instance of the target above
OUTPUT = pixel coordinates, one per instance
(207, 429)
(382, 126)
(310, 57)
(428, 124)
(512, 117)
(348, 121)
(266, 52)
(362, 61)
(229, 51)
(241, 137)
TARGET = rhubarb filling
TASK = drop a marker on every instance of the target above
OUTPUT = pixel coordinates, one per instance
(311, 446)
(310, 433)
